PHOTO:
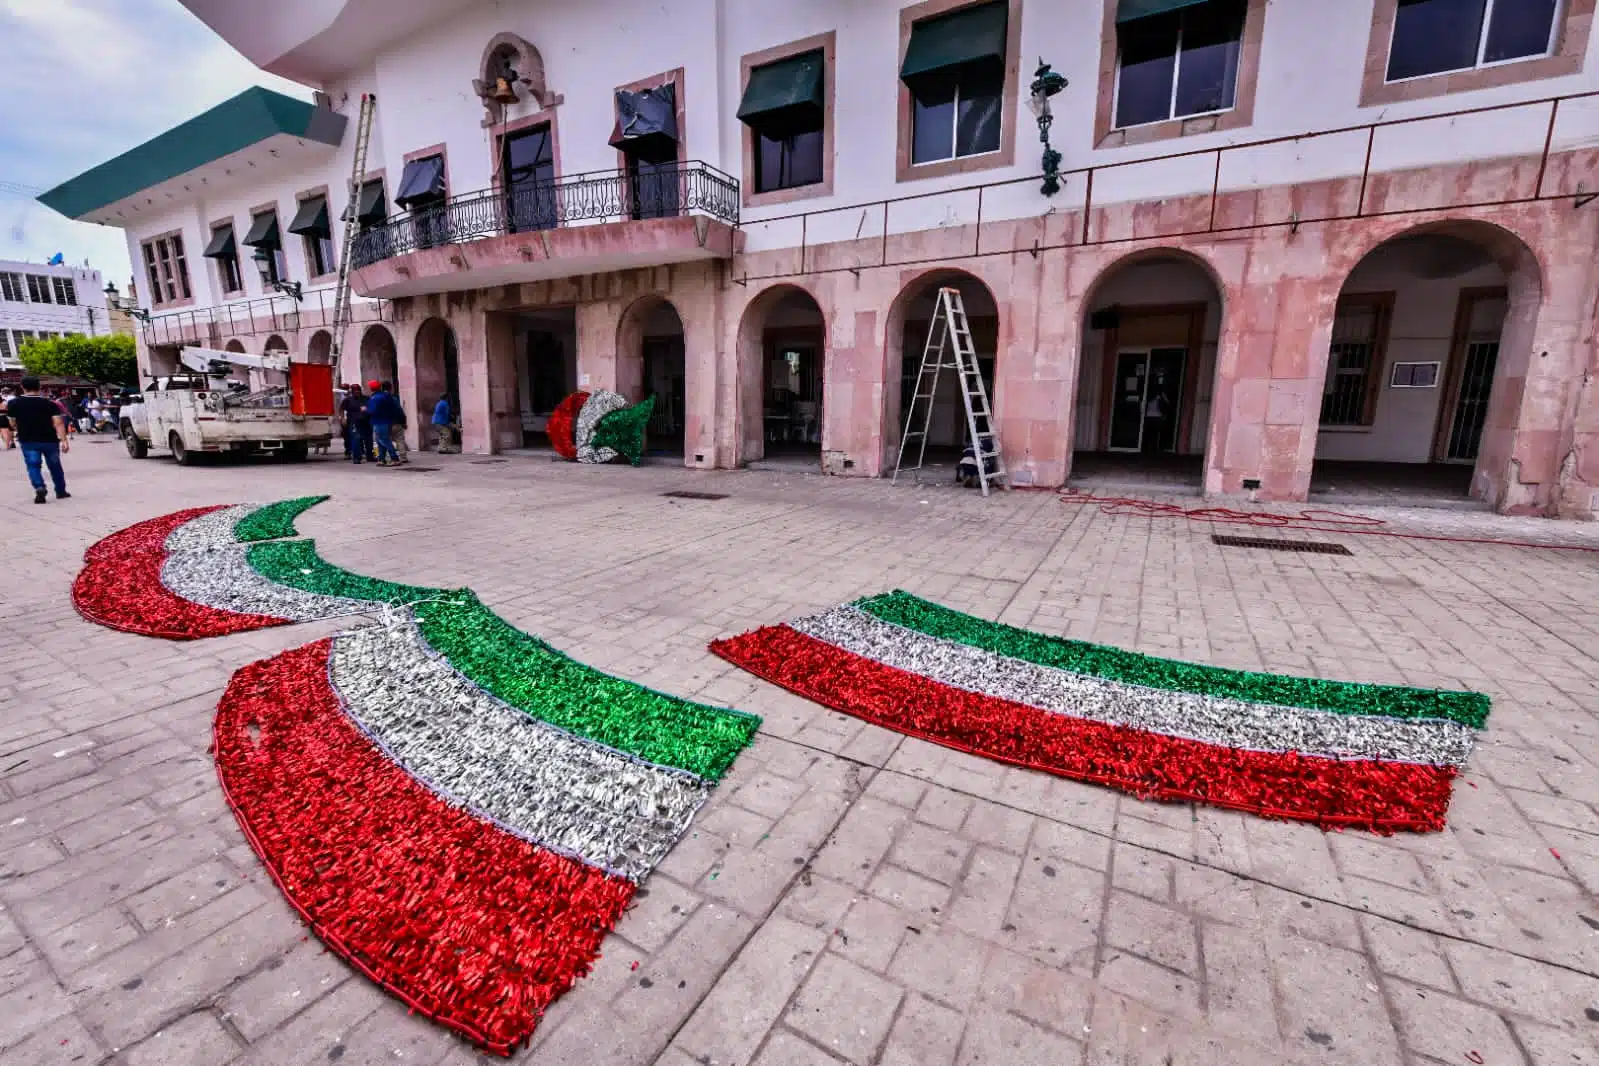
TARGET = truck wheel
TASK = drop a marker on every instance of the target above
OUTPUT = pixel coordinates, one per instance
(179, 452)
(137, 448)
(296, 451)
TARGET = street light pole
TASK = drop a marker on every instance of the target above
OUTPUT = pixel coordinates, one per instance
(1046, 83)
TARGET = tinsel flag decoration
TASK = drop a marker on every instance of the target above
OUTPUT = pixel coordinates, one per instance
(1333, 753)
(599, 426)
(455, 807)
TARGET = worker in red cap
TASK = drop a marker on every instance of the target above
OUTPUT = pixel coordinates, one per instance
(382, 408)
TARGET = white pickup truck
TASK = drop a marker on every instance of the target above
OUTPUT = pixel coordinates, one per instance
(187, 415)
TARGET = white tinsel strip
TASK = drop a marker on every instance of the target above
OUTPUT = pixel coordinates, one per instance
(541, 783)
(1213, 720)
(599, 404)
(223, 578)
(214, 530)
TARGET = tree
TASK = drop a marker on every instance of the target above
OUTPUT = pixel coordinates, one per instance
(109, 360)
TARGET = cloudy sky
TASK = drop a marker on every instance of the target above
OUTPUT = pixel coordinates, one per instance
(84, 80)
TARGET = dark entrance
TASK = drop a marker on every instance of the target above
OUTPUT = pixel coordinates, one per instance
(1148, 396)
(528, 164)
(792, 411)
(665, 378)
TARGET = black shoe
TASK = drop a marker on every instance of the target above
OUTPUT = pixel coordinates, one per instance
(39, 496)
(63, 495)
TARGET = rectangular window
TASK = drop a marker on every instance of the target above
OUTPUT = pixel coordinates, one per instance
(5, 346)
(11, 288)
(959, 117)
(168, 270)
(66, 292)
(787, 162)
(319, 254)
(1179, 64)
(784, 107)
(1355, 361)
(1435, 36)
(38, 289)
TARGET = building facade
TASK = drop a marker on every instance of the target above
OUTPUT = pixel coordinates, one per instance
(40, 302)
(1285, 233)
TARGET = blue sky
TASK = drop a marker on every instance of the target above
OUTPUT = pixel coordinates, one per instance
(83, 80)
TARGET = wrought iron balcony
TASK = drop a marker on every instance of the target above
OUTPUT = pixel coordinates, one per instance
(670, 190)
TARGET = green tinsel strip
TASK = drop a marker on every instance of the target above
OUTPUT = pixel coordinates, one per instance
(1098, 660)
(623, 431)
(275, 520)
(295, 563)
(529, 674)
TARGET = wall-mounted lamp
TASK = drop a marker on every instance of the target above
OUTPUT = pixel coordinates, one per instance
(1046, 83)
(139, 313)
(265, 266)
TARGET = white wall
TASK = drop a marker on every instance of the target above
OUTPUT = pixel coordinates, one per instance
(89, 316)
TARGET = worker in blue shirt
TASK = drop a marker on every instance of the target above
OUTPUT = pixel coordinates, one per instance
(444, 426)
(380, 408)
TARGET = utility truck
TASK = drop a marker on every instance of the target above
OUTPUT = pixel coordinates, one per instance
(203, 409)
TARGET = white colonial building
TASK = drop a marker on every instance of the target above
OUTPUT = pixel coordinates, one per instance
(1286, 234)
(39, 301)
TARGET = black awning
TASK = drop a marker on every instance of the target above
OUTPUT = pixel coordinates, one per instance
(785, 96)
(263, 232)
(221, 246)
(422, 182)
(646, 123)
(373, 208)
(1130, 10)
(972, 38)
(311, 220)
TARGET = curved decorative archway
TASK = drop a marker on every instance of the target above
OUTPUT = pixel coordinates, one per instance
(378, 357)
(909, 321)
(438, 374)
(784, 317)
(651, 361)
(320, 349)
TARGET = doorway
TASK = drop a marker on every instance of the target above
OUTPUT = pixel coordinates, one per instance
(546, 341)
(527, 161)
(666, 378)
(1473, 358)
(1149, 394)
(792, 408)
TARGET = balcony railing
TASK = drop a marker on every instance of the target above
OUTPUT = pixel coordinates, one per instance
(670, 190)
(210, 327)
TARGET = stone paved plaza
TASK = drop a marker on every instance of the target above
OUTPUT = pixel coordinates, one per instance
(849, 895)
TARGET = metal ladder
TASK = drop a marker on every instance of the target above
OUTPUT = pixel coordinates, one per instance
(352, 229)
(951, 331)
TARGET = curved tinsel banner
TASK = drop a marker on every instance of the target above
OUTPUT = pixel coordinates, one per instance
(599, 426)
(458, 809)
(1334, 753)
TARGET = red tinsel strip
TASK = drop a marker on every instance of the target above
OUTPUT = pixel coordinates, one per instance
(466, 924)
(562, 421)
(125, 592)
(1379, 796)
(149, 535)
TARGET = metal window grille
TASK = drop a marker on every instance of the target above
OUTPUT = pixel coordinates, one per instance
(1351, 364)
(1471, 410)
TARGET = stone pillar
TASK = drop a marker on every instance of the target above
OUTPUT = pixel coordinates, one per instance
(406, 381)
(699, 307)
(477, 406)
(505, 399)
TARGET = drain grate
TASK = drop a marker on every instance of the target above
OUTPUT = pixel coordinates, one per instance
(684, 494)
(409, 469)
(487, 462)
(1308, 546)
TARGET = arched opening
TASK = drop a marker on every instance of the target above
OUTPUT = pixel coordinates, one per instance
(241, 374)
(651, 361)
(545, 342)
(320, 350)
(378, 360)
(438, 373)
(277, 346)
(782, 346)
(910, 330)
(1425, 324)
(1146, 374)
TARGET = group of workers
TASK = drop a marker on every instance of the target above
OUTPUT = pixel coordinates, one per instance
(374, 424)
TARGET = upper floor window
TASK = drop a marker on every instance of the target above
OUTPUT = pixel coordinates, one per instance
(955, 70)
(167, 268)
(1176, 60)
(312, 225)
(66, 292)
(1434, 36)
(371, 207)
(11, 288)
(422, 184)
(268, 244)
(224, 251)
(783, 105)
(39, 288)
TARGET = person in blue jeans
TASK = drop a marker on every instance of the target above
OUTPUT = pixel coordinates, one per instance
(41, 429)
(381, 408)
(357, 427)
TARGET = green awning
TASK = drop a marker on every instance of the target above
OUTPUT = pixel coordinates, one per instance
(263, 232)
(970, 37)
(372, 208)
(786, 94)
(311, 220)
(221, 246)
(1129, 10)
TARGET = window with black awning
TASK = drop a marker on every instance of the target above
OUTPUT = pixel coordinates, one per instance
(263, 232)
(784, 105)
(646, 124)
(222, 245)
(955, 70)
(422, 183)
(311, 220)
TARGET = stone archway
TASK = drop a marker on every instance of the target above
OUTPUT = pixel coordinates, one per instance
(437, 362)
(320, 348)
(1150, 334)
(651, 361)
(378, 357)
(784, 406)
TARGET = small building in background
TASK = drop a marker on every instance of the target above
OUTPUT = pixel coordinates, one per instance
(39, 302)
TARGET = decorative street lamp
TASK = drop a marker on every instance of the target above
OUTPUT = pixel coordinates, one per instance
(1046, 83)
(265, 266)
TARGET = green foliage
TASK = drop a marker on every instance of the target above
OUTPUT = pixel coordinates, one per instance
(109, 360)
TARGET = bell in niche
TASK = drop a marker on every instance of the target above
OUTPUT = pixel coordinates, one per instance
(504, 91)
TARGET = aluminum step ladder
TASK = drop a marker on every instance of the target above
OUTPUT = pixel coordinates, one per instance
(352, 229)
(949, 346)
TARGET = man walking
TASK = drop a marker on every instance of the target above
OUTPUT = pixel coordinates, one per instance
(357, 429)
(444, 426)
(401, 448)
(380, 409)
(41, 430)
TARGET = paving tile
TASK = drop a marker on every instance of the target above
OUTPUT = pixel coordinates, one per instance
(845, 1009)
